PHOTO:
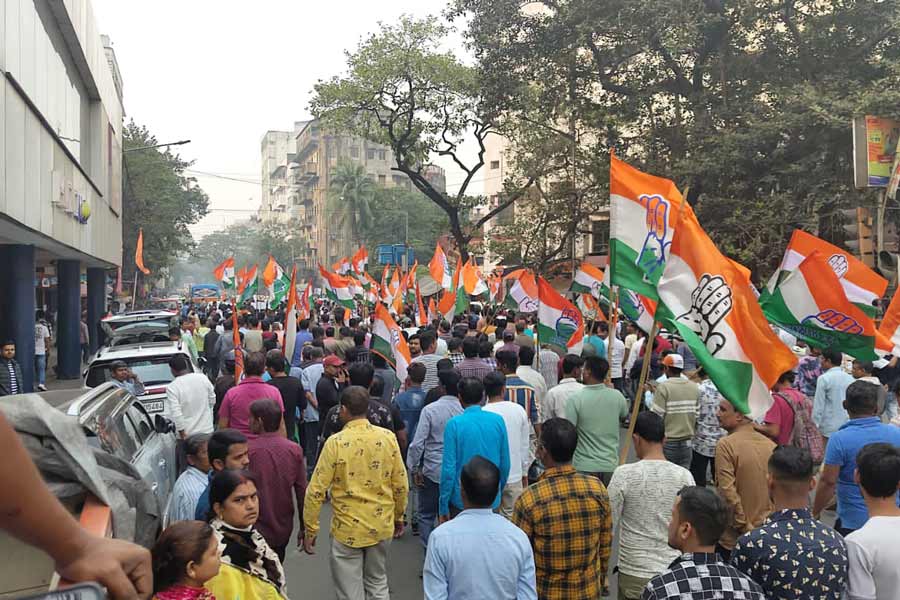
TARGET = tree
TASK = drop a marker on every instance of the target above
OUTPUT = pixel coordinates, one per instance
(159, 198)
(350, 197)
(746, 103)
(249, 243)
(399, 213)
(402, 91)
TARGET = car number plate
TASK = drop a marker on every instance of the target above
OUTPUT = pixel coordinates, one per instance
(153, 406)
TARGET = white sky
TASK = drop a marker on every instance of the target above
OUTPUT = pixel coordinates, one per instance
(221, 73)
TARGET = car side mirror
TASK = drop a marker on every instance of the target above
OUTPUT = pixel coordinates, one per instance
(163, 425)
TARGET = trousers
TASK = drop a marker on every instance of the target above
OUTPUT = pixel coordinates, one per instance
(429, 500)
(678, 452)
(360, 573)
(511, 493)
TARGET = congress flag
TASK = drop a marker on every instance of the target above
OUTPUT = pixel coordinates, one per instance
(589, 307)
(472, 280)
(638, 309)
(248, 285)
(337, 287)
(224, 273)
(588, 280)
(360, 260)
(523, 295)
(560, 323)
(388, 341)
(439, 268)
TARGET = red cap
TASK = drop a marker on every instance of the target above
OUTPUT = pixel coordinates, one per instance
(333, 361)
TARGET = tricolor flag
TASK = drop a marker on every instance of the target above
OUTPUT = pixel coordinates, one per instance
(588, 280)
(862, 285)
(388, 341)
(432, 310)
(306, 302)
(248, 286)
(439, 268)
(560, 323)
(889, 332)
(360, 260)
(459, 286)
(523, 295)
(446, 308)
(421, 315)
(224, 273)
(495, 284)
(589, 307)
(342, 267)
(810, 304)
(275, 281)
(337, 287)
(638, 309)
(643, 211)
(290, 317)
(472, 280)
(708, 299)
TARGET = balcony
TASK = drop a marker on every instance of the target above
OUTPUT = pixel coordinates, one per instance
(306, 173)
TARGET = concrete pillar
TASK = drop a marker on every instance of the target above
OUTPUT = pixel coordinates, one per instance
(68, 319)
(96, 304)
(17, 305)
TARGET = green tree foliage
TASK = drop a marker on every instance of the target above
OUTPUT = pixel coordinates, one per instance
(748, 103)
(159, 198)
(350, 197)
(403, 91)
(249, 243)
(426, 222)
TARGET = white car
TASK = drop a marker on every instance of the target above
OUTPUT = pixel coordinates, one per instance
(150, 362)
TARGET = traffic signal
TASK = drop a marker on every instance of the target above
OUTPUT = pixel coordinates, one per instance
(860, 239)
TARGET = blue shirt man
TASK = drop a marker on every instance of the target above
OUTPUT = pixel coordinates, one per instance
(828, 410)
(410, 402)
(473, 433)
(303, 337)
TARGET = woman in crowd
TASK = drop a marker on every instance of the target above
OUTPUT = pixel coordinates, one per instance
(250, 568)
(185, 557)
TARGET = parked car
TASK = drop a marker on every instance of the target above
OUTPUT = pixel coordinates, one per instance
(150, 362)
(118, 423)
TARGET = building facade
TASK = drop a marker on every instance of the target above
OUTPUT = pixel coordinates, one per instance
(60, 173)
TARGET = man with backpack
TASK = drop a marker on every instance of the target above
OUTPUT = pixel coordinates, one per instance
(789, 420)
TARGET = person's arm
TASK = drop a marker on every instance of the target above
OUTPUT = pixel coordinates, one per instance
(29, 512)
(210, 394)
(173, 407)
(826, 487)
(818, 411)
(606, 537)
(526, 586)
(504, 455)
(860, 580)
(434, 573)
(726, 481)
(225, 411)
(616, 492)
(400, 487)
(571, 410)
(660, 400)
(300, 484)
(301, 397)
(448, 469)
(524, 447)
(315, 495)
(417, 447)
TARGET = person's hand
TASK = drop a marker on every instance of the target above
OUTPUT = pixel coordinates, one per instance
(398, 530)
(443, 519)
(418, 480)
(301, 536)
(122, 567)
(309, 542)
(525, 481)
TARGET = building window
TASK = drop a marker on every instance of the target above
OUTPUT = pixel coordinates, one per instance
(354, 152)
(495, 164)
(382, 155)
(398, 179)
(382, 179)
(600, 237)
(370, 153)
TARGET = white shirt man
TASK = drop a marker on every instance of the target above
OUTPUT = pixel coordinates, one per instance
(518, 432)
(616, 356)
(533, 377)
(190, 399)
(558, 395)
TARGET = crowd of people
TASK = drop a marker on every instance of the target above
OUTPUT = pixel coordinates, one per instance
(503, 456)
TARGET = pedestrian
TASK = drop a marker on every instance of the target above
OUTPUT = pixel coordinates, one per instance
(185, 557)
(518, 431)
(567, 518)
(831, 387)
(557, 396)
(707, 432)
(523, 339)
(532, 377)
(676, 400)
(361, 467)
(641, 494)
(253, 339)
(122, 376)
(10, 372)
(225, 344)
(280, 470)
(42, 346)
(793, 556)
(226, 449)
(185, 335)
(864, 370)
(190, 399)
(303, 338)
(193, 480)
(471, 365)
(486, 353)
(596, 341)
(454, 350)
(809, 369)
(210, 341)
(474, 432)
(426, 451)
(519, 391)
(863, 428)
(84, 338)
(235, 409)
(223, 383)
(596, 412)
(359, 352)
(331, 383)
(429, 359)
(250, 568)
(873, 549)
(507, 343)
(411, 401)
(742, 459)
(293, 396)
(479, 554)
(778, 424)
(388, 376)
(699, 519)
(310, 372)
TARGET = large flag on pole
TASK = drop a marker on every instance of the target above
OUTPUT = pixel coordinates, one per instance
(290, 317)
(589, 307)
(638, 309)
(447, 306)
(276, 282)
(337, 287)
(889, 332)
(523, 295)
(588, 280)
(472, 280)
(560, 323)
(421, 315)
(224, 273)
(459, 286)
(388, 341)
(342, 267)
(139, 253)
(811, 304)
(708, 298)
(862, 285)
(305, 298)
(360, 260)
(643, 211)
(248, 286)
(439, 268)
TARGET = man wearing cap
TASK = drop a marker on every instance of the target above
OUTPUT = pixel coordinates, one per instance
(676, 401)
(333, 380)
(125, 378)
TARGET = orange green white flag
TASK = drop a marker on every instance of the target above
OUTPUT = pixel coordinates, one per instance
(588, 280)
(589, 307)
(709, 300)
(560, 323)
(337, 287)
(523, 295)
(388, 341)
(439, 268)
(889, 332)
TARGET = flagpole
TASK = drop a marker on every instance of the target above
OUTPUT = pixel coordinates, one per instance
(613, 323)
(134, 293)
(639, 394)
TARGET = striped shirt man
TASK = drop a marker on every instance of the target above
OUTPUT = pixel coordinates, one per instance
(189, 486)
(677, 401)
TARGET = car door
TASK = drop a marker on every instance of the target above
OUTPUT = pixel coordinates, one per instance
(155, 455)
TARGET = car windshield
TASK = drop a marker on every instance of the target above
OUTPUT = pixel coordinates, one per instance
(138, 322)
(151, 371)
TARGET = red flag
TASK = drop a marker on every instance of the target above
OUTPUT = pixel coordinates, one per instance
(139, 253)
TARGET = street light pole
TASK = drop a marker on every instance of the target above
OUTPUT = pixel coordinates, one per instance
(181, 143)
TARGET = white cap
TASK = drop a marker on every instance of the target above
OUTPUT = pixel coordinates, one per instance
(674, 360)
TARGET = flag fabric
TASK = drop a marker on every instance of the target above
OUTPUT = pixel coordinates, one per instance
(270, 271)
(638, 309)
(388, 341)
(384, 282)
(238, 350)
(360, 260)
(337, 287)
(889, 332)
(643, 211)
(290, 316)
(523, 295)
(708, 299)
(432, 310)
(276, 282)
(249, 285)
(588, 280)
(495, 285)
(224, 273)
(560, 323)
(305, 302)
(459, 286)
(439, 268)
(589, 307)
(446, 308)
(139, 253)
(810, 303)
(341, 267)
(421, 315)
(472, 280)
(862, 285)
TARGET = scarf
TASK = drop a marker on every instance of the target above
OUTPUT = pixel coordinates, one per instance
(183, 592)
(248, 551)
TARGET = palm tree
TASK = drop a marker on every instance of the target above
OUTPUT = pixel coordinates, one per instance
(350, 195)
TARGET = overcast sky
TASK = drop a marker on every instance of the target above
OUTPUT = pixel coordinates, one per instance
(221, 73)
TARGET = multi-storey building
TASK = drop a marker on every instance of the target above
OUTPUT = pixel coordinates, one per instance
(60, 173)
(278, 188)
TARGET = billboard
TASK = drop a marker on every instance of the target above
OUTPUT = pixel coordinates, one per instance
(874, 149)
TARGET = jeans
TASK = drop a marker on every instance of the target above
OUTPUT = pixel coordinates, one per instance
(678, 452)
(309, 441)
(699, 463)
(40, 368)
(85, 353)
(429, 499)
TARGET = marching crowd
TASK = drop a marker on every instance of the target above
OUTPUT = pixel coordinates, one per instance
(504, 458)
